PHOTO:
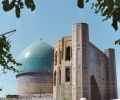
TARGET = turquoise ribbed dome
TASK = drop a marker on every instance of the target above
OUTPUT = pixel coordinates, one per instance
(38, 57)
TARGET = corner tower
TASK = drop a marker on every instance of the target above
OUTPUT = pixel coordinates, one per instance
(111, 81)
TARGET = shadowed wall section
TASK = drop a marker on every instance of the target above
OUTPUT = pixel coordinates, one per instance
(95, 93)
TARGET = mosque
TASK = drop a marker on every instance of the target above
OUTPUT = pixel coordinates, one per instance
(73, 69)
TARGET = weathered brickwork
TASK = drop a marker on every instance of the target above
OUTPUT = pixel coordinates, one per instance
(81, 69)
(34, 83)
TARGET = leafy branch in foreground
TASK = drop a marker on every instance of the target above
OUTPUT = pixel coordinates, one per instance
(6, 59)
(117, 42)
(18, 5)
(109, 9)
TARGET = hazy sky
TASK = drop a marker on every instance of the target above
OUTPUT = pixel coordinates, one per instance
(52, 20)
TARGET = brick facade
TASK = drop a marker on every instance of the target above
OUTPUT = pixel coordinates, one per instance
(92, 72)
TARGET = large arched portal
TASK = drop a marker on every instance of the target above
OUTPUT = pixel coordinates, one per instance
(95, 93)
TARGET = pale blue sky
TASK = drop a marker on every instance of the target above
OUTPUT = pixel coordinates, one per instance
(52, 20)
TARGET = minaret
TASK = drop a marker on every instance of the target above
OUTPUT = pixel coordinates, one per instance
(111, 80)
(80, 62)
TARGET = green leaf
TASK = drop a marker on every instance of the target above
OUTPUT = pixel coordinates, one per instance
(21, 4)
(5, 5)
(17, 11)
(80, 3)
(12, 4)
(117, 42)
(30, 4)
(114, 24)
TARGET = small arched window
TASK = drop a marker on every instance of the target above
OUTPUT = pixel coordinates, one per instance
(71, 52)
(59, 76)
(67, 74)
(54, 79)
(56, 58)
(67, 53)
(60, 57)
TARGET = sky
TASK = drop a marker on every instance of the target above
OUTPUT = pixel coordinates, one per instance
(51, 21)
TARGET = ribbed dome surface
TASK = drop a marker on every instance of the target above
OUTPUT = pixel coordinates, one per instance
(38, 57)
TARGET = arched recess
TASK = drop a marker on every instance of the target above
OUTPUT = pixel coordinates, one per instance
(67, 74)
(59, 76)
(95, 93)
(55, 58)
(71, 52)
(54, 78)
(60, 57)
(67, 53)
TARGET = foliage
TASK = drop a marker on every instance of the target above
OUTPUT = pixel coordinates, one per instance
(6, 59)
(117, 41)
(8, 5)
(109, 9)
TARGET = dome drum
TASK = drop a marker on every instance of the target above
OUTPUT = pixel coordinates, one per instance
(34, 83)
